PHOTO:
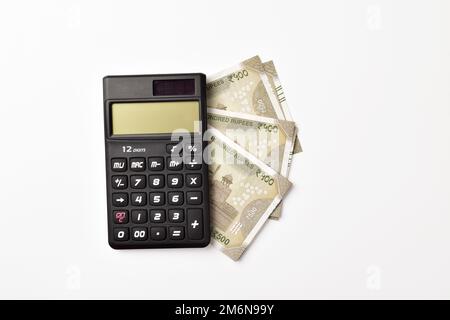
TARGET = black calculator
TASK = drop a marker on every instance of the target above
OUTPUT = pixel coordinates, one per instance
(157, 179)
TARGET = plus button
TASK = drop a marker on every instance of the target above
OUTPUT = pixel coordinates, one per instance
(194, 224)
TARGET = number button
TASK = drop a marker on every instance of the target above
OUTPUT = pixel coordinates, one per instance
(119, 164)
(139, 199)
(176, 215)
(120, 216)
(175, 180)
(194, 180)
(139, 234)
(157, 233)
(137, 164)
(194, 197)
(121, 234)
(195, 224)
(120, 199)
(119, 182)
(156, 181)
(175, 198)
(174, 165)
(137, 182)
(157, 216)
(155, 163)
(176, 233)
(139, 216)
(157, 198)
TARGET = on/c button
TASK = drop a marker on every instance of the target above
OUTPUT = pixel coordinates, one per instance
(195, 224)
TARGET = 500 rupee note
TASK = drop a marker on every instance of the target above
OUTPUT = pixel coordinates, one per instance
(243, 193)
(277, 89)
(243, 88)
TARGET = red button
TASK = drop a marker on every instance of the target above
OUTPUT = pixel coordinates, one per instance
(120, 216)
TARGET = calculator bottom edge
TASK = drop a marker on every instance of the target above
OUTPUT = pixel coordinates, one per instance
(197, 244)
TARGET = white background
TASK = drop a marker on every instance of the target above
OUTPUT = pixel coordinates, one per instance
(368, 83)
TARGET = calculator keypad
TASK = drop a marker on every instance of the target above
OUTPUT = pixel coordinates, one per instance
(157, 199)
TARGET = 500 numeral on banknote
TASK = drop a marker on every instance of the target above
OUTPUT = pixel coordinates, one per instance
(220, 237)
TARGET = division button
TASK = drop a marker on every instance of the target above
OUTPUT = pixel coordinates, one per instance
(120, 199)
(195, 224)
(193, 165)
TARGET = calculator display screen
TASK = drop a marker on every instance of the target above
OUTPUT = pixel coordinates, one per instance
(154, 117)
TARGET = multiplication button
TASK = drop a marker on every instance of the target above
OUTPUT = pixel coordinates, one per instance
(194, 180)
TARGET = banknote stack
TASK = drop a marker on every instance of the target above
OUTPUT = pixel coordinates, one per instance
(253, 139)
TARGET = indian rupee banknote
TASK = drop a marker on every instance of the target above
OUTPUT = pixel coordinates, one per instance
(243, 193)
